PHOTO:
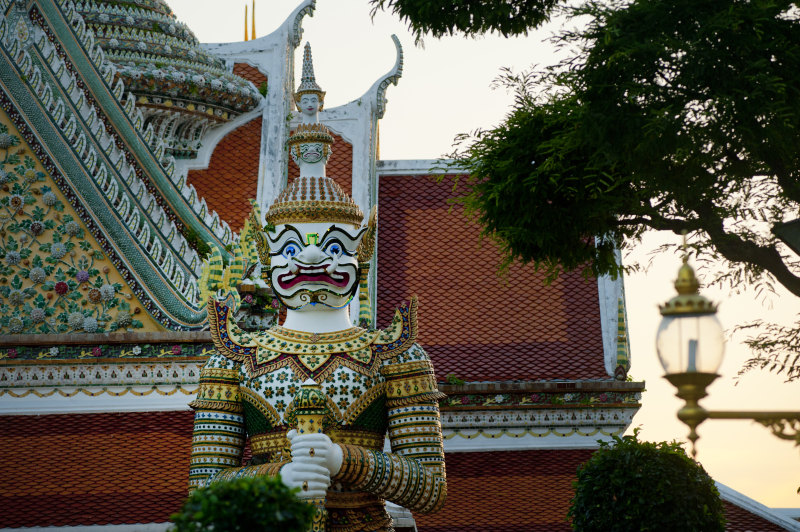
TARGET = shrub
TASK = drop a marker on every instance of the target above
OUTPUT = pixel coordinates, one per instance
(245, 504)
(637, 486)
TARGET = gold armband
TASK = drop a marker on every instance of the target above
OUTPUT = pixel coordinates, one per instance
(219, 390)
(410, 382)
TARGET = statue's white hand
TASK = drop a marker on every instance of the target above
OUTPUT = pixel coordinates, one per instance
(308, 473)
(316, 448)
(312, 479)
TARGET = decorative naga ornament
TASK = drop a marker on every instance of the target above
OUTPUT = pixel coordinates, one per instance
(326, 440)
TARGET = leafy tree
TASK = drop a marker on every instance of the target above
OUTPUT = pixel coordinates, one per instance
(245, 504)
(471, 17)
(674, 115)
(639, 486)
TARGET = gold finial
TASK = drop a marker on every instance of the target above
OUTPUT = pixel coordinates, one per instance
(253, 21)
(688, 300)
(245, 23)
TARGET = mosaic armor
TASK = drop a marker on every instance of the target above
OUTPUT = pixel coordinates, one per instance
(315, 255)
(376, 381)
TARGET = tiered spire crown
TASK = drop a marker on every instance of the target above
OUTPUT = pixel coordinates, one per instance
(308, 82)
(312, 197)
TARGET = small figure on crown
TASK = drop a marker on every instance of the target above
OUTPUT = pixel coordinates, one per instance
(315, 257)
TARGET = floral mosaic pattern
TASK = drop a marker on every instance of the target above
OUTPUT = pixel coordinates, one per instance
(52, 280)
(542, 399)
(106, 351)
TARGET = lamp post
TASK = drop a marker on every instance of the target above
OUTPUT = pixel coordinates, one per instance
(690, 345)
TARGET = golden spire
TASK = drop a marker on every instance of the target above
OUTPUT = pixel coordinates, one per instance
(245, 23)
(253, 21)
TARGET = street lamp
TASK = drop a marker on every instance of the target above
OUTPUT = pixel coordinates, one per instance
(690, 345)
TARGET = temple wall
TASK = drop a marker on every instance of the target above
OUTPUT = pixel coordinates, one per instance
(54, 276)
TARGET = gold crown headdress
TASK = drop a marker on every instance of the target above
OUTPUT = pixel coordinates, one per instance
(314, 199)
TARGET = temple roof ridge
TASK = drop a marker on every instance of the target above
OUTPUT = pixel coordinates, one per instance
(181, 87)
(128, 100)
(391, 77)
(150, 213)
(183, 191)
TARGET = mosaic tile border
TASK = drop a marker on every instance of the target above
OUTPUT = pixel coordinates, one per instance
(14, 354)
(94, 392)
(450, 434)
(541, 418)
(541, 399)
(68, 378)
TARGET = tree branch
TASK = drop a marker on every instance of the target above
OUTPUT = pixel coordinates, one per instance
(737, 249)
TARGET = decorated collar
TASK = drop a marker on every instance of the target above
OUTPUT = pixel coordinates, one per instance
(310, 355)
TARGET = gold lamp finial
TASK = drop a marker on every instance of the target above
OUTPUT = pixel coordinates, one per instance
(688, 300)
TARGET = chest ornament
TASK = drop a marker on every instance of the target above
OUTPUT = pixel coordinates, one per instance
(310, 355)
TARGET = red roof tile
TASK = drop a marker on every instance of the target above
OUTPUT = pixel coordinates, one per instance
(473, 323)
(339, 167)
(231, 178)
(125, 468)
(69, 470)
(740, 520)
(250, 73)
(508, 491)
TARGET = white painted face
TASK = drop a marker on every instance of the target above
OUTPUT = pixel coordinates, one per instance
(314, 264)
(309, 104)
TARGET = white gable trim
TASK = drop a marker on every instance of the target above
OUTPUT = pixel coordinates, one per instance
(754, 507)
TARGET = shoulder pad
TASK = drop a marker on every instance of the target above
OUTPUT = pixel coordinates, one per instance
(401, 334)
(227, 337)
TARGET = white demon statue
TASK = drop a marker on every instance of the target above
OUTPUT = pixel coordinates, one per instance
(314, 253)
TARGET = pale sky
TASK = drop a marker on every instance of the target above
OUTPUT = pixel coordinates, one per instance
(445, 90)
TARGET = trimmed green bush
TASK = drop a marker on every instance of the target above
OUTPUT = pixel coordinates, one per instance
(638, 486)
(245, 504)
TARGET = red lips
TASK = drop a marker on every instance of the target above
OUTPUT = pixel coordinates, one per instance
(313, 275)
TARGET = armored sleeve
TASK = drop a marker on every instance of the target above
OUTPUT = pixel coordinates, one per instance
(219, 428)
(413, 474)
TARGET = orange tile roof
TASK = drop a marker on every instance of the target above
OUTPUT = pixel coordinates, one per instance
(339, 167)
(250, 73)
(507, 491)
(740, 520)
(231, 178)
(125, 468)
(70, 470)
(473, 323)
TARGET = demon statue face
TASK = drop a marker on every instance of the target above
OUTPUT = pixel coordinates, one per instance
(314, 263)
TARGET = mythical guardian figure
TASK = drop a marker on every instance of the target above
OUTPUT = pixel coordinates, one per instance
(315, 252)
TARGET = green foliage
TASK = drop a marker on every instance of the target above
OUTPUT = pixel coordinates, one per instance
(528, 176)
(196, 242)
(263, 88)
(245, 504)
(470, 17)
(452, 378)
(672, 116)
(639, 486)
(776, 348)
